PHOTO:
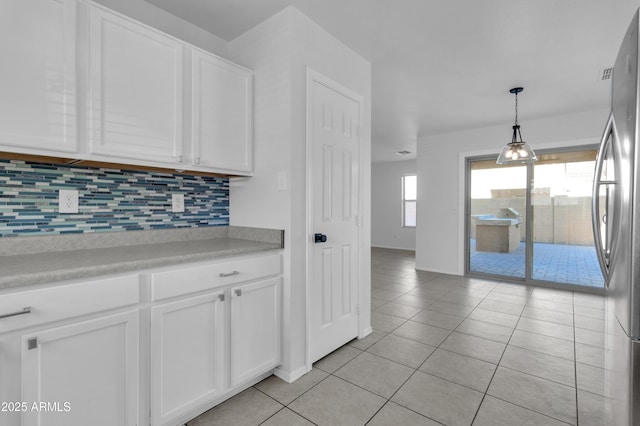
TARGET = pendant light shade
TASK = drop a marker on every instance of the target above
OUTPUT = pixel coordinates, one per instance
(516, 151)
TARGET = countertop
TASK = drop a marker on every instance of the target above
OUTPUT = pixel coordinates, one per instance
(56, 265)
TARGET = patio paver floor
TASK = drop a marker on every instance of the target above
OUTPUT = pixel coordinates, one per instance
(561, 263)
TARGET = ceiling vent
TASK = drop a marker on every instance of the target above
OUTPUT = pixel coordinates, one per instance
(403, 152)
(606, 74)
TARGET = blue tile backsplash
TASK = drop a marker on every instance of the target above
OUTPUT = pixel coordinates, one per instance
(109, 199)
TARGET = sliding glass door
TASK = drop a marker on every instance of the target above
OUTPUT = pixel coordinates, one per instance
(563, 246)
(552, 199)
(497, 200)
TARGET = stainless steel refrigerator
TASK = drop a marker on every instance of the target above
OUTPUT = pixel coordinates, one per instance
(616, 220)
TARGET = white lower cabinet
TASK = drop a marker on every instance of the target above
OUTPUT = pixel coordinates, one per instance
(126, 351)
(255, 329)
(215, 329)
(69, 354)
(187, 355)
(82, 373)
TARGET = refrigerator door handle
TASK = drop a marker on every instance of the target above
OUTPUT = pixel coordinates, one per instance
(595, 198)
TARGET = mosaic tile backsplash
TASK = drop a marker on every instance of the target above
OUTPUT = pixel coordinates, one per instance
(109, 200)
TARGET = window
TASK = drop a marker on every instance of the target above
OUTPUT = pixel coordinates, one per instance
(409, 197)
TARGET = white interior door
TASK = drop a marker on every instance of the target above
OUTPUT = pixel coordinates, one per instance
(333, 145)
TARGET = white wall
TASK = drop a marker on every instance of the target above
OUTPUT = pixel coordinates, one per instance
(256, 201)
(440, 168)
(157, 18)
(279, 50)
(386, 205)
(318, 50)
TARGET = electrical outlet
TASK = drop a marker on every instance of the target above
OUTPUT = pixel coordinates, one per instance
(177, 203)
(68, 201)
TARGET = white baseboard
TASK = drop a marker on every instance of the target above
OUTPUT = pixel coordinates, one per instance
(367, 331)
(393, 248)
(437, 271)
(291, 376)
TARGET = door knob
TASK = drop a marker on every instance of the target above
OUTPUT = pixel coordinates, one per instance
(320, 238)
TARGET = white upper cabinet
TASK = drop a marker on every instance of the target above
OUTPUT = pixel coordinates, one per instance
(221, 114)
(38, 76)
(135, 90)
(134, 94)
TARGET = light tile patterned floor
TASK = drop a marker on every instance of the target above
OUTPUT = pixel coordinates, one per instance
(446, 350)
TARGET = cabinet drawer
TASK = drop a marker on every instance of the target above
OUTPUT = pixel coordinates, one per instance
(66, 301)
(182, 281)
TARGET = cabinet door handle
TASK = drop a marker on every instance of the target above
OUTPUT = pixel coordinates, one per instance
(230, 274)
(25, 310)
(221, 297)
(238, 292)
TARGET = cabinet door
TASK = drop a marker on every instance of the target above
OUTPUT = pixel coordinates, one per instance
(135, 85)
(187, 342)
(37, 76)
(82, 374)
(222, 114)
(255, 329)
(10, 379)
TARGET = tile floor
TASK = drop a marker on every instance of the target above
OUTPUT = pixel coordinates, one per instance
(446, 350)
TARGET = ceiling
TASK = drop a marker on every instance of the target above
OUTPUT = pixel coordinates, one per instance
(444, 65)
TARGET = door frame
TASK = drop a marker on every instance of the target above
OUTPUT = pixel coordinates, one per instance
(466, 202)
(312, 77)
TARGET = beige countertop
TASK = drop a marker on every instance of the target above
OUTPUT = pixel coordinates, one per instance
(50, 266)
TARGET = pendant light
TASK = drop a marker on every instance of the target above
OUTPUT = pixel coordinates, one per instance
(517, 151)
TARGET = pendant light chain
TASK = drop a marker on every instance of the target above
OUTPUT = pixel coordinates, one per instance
(516, 123)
